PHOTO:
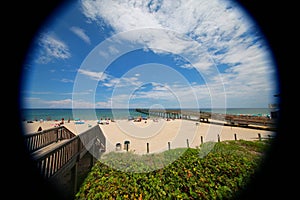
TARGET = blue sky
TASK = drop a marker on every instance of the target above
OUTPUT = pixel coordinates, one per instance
(142, 53)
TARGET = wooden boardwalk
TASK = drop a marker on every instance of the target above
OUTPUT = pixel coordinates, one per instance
(43, 151)
(57, 150)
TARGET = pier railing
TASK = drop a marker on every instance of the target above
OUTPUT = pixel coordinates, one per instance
(250, 120)
(176, 113)
(38, 140)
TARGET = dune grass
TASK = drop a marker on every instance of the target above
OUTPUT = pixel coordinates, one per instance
(218, 170)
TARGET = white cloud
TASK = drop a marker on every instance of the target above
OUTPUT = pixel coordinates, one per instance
(60, 103)
(104, 104)
(110, 81)
(212, 24)
(41, 103)
(52, 48)
(82, 104)
(81, 34)
(121, 84)
(113, 50)
(63, 103)
(65, 80)
(206, 32)
(122, 15)
(185, 95)
(98, 76)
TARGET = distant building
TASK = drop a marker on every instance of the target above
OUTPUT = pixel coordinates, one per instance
(274, 107)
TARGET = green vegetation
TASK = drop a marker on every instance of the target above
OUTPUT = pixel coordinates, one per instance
(212, 171)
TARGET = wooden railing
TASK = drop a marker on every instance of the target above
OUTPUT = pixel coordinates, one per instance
(250, 120)
(68, 153)
(176, 113)
(38, 140)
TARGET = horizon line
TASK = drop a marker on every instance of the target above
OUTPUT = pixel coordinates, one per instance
(149, 108)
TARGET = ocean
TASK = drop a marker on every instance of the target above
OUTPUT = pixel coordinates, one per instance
(96, 114)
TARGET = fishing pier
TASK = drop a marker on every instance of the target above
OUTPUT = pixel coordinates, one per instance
(257, 122)
(177, 114)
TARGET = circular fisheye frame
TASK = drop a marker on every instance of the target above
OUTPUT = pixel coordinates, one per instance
(147, 137)
(150, 69)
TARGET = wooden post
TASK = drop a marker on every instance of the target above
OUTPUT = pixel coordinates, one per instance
(93, 154)
(78, 148)
(201, 139)
(235, 137)
(92, 160)
(56, 135)
(75, 168)
(74, 171)
(147, 147)
(126, 145)
(187, 143)
(60, 134)
(169, 145)
(259, 136)
(269, 136)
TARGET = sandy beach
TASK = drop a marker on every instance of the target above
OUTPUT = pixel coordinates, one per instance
(158, 133)
(29, 128)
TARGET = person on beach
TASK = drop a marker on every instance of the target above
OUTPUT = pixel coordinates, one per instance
(40, 129)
